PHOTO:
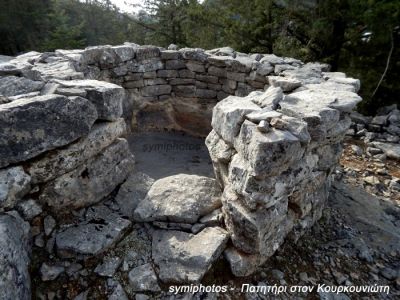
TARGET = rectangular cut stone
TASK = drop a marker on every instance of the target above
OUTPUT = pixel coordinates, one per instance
(241, 77)
(175, 64)
(107, 97)
(32, 126)
(156, 90)
(204, 93)
(92, 181)
(196, 67)
(207, 78)
(167, 73)
(220, 72)
(147, 65)
(170, 54)
(61, 161)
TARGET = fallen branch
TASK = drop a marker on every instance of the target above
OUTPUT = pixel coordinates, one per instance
(387, 65)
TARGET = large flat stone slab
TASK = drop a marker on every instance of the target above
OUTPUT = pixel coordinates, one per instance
(13, 86)
(61, 161)
(179, 198)
(107, 97)
(92, 181)
(14, 258)
(185, 258)
(33, 126)
(101, 229)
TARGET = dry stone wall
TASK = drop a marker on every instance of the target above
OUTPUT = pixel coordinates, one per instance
(177, 89)
(273, 155)
(276, 126)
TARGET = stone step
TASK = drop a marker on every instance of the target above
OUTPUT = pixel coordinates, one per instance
(99, 231)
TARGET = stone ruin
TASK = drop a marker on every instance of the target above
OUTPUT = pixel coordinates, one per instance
(274, 128)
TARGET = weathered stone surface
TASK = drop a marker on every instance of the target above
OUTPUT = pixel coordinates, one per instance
(101, 229)
(218, 149)
(108, 267)
(132, 192)
(270, 153)
(14, 184)
(229, 114)
(242, 264)
(118, 293)
(156, 90)
(14, 258)
(31, 130)
(61, 161)
(143, 278)
(179, 198)
(12, 86)
(145, 65)
(106, 97)
(286, 84)
(185, 258)
(390, 149)
(50, 272)
(56, 69)
(29, 209)
(253, 232)
(315, 100)
(92, 181)
(269, 99)
(175, 64)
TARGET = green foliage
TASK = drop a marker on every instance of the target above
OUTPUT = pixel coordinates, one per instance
(22, 24)
(63, 35)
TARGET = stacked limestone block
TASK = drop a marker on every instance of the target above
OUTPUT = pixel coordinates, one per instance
(61, 146)
(273, 155)
(177, 89)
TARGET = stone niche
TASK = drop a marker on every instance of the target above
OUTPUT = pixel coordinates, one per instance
(274, 128)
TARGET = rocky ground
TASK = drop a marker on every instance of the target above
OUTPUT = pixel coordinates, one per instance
(357, 242)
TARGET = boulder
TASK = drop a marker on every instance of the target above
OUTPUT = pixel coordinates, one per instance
(106, 97)
(92, 181)
(100, 230)
(179, 198)
(183, 257)
(14, 258)
(61, 161)
(29, 129)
